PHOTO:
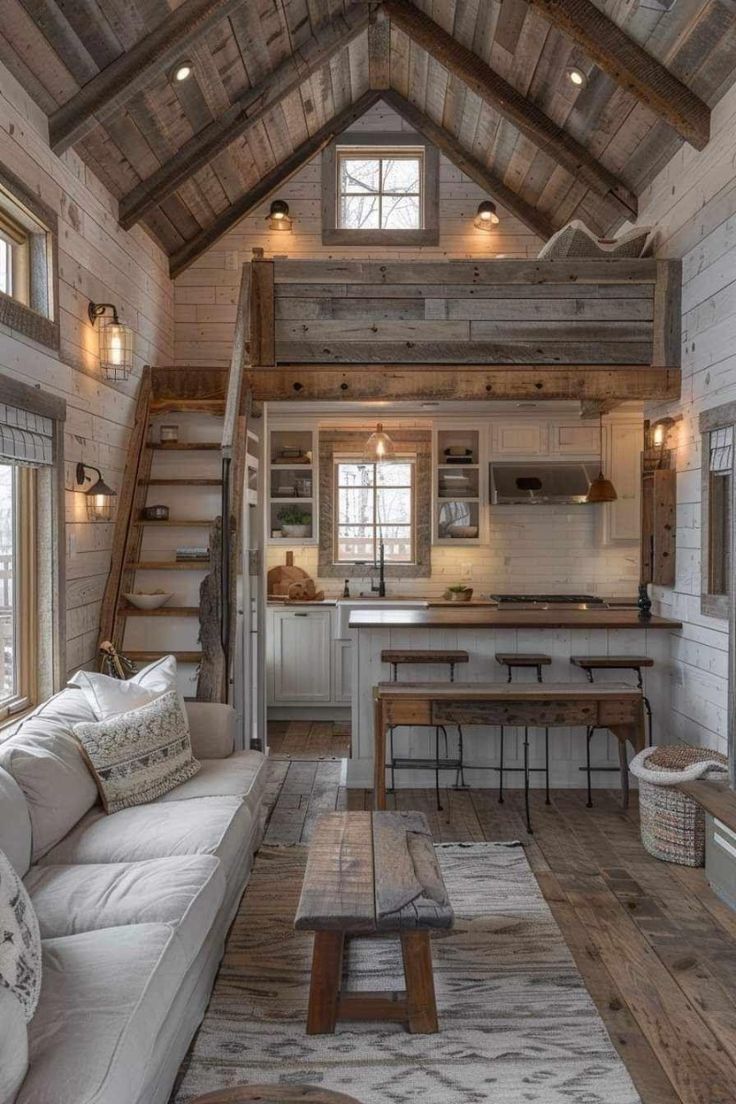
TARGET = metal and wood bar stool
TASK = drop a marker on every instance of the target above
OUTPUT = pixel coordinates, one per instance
(592, 663)
(398, 657)
(534, 661)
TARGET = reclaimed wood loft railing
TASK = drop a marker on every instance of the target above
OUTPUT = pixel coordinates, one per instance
(601, 331)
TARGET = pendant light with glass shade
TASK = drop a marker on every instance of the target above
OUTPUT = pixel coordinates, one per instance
(601, 489)
(378, 447)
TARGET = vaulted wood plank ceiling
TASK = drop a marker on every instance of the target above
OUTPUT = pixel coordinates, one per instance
(275, 79)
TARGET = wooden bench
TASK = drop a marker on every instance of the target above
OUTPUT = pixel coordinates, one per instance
(372, 874)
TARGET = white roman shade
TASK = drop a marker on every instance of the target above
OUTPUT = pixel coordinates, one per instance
(25, 438)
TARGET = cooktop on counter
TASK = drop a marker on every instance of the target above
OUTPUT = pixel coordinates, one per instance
(545, 601)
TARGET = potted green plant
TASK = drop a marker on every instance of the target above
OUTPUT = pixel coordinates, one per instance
(458, 592)
(294, 521)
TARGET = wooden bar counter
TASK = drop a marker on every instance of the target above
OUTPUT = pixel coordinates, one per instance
(482, 631)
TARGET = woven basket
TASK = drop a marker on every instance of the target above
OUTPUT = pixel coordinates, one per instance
(672, 824)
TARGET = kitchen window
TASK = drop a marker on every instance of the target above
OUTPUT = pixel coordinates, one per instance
(374, 503)
(380, 189)
(18, 604)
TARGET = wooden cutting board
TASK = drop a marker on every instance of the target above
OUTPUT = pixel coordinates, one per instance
(287, 581)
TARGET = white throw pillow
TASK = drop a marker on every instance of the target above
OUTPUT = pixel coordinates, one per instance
(108, 696)
(20, 941)
(13, 1046)
(138, 756)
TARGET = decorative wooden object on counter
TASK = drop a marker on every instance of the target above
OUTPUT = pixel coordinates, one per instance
(658, 518)
(370, 873)
(290, 583)
(616, 707)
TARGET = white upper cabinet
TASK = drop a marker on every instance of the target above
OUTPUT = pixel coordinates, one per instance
(574, 439)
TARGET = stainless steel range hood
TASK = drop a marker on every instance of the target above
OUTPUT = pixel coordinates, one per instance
(541, 483)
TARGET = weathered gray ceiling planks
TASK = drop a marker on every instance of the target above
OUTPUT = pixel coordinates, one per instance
(488, 77)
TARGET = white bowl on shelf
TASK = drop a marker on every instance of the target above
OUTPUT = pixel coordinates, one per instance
(147, 601)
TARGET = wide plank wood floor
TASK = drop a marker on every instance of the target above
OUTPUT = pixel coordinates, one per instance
(656, 947)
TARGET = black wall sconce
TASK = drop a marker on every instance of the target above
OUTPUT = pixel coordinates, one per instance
(99, 497)
(278, 217)
(486, 217)
(116, 341)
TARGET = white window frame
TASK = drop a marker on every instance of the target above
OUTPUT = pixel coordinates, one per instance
(24, 612)
(381, 155)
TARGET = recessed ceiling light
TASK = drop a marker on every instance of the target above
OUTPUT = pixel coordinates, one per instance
(576, 76)
(182, 71)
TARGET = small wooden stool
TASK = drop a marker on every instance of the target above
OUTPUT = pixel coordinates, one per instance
(372, 874)
(593, 663)
(535, 661)
(398, 657)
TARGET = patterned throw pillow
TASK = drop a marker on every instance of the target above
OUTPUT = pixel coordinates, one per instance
(20, 940)
(137, 756)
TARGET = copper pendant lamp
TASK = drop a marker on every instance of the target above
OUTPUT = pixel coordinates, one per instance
(601, 489)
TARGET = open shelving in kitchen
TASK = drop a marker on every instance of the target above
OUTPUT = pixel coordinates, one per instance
(291, 487)
(457, 486)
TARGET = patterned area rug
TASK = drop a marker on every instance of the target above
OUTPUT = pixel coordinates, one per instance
(517, 1025)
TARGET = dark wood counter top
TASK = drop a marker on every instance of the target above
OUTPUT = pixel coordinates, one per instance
(475, 618)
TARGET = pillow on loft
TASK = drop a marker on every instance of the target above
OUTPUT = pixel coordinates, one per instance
(138, 756)
(576, 241)
(20, 941)
(107, 696)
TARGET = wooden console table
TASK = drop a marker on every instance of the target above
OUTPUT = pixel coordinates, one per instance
(617, 707)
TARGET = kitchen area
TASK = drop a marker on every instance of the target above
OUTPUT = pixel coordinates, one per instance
(479, 536)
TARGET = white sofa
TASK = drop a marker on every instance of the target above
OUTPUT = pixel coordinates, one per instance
(133, 908)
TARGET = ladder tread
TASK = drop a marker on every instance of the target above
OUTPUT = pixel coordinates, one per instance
(183, 657)
(188, 446)
(162, 611)
(181, 482)
(168, 565)
(177, 523)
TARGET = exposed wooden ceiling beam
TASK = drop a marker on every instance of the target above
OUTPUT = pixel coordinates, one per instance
(418, 382)
(277, 176)
(114, 85)
(505, 99)
(535, 220)
(244, 113)
(630, 66)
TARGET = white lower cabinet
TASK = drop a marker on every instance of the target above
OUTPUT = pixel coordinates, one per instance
(299, 656)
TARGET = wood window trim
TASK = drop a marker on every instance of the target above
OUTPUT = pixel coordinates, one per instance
(720, 417)
(333, 443)
(50, 551)
(409, 459)
(39, 320)
(332, 234)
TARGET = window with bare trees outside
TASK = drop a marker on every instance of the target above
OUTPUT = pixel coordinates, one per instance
(375, 503)
(380, 189)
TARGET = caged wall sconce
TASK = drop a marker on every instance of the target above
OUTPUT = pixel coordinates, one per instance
(99, 497)
(116, 341)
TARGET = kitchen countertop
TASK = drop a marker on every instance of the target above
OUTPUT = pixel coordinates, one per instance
(492, 618)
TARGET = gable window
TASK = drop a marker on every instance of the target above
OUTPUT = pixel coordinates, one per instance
(27, 263)
(380, 189)
(374, 504)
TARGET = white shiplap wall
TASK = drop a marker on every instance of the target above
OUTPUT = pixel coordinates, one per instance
(692, 202)
(207, 292)
(99, 261)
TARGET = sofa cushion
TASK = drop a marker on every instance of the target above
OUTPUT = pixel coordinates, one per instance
(45, 760)
(13, 1046)
(184, 890)
(243, 774)
(105, 997)
(108, 696)
(205, 826)
(15, 824)
(136, 757)
(20, 940)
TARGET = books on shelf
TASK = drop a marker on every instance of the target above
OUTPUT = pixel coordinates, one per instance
(189, 553)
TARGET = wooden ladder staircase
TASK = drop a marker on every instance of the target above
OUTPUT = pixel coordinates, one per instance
(211, 448)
